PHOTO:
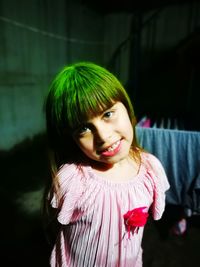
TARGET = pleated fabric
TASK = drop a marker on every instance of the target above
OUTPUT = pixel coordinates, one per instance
(91, 209)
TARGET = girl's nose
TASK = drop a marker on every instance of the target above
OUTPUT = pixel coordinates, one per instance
(103, 133)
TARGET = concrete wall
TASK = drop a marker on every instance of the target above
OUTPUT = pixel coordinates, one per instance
(37, 39)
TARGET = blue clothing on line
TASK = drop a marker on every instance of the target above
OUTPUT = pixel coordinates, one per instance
(179, 152)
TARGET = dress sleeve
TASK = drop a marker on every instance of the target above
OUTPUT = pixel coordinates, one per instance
(70, 190)
(160, 184)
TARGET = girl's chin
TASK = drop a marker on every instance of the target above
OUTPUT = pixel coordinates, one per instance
(114, 160)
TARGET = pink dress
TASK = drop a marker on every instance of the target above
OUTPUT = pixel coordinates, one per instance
(93, 232)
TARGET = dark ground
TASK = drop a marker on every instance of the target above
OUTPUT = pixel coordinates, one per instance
(162, 248)
(22, 238)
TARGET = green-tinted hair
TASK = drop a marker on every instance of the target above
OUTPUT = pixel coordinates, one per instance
(78, 91)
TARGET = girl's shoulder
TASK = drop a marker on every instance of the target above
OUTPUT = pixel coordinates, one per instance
(69, 170)
(155, 170)
(70, 186)
(70, 175)
(157, 175)
(151, 162)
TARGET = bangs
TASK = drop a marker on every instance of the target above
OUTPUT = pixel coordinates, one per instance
(88, 102)
(82, 91)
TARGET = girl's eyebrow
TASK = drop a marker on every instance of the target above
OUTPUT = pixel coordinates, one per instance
(100, 113)
(111, 107)
(108, 108)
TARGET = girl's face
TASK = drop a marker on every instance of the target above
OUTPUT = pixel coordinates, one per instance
(107, 137)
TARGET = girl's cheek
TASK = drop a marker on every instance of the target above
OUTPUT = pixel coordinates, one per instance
(85, 142)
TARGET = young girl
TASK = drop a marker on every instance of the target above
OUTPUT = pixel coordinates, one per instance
(104, 186)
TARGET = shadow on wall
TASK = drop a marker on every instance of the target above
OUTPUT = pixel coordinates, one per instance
(23, 174)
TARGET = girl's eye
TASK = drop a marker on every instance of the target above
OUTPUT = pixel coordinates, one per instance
(108, 114)
(83, 129)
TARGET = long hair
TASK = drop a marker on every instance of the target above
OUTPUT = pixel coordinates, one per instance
(80, 90)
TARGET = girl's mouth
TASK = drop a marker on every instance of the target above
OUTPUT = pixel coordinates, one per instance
(112, 150)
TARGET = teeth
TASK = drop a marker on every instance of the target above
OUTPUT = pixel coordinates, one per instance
(111, 148)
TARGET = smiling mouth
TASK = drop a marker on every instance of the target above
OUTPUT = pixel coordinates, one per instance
(111, 150)
(113, 147)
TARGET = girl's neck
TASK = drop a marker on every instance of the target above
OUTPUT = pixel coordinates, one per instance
(121, 171)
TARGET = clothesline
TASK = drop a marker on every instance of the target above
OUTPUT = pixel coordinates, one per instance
(164, 123)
